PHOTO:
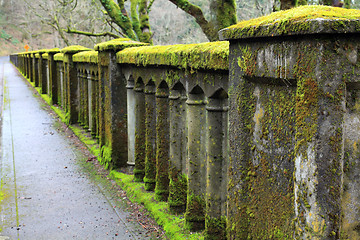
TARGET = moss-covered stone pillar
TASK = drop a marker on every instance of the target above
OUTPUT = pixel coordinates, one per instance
(113, 115)
(131, 100)
(27, 65)
(290, 76)
(162, 142)
(216, 151)
(35, 66)
(43, 73)
(31, 69)
(195, 209)
(150, 137)
(178, 150)
(86, 99)
(37, 73)
(140, 132)
(93, 83)
(81, 76)
(71, 83)
(53, 75)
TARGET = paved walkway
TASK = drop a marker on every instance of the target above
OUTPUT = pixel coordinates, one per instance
(46, 194)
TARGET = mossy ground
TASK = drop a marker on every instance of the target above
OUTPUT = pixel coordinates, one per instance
(173, 224)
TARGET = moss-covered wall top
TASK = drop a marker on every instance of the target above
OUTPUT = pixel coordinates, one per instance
(74, 49)
(86, 56)
(297, 21)
(213, 55)
(53, 50)
(59, 57)
(118, 44)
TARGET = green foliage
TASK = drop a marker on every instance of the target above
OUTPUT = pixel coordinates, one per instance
(5, 35)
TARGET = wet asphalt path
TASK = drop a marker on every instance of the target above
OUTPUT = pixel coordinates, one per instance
(45, 194)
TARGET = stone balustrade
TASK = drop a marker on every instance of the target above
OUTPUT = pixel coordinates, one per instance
(255, 137)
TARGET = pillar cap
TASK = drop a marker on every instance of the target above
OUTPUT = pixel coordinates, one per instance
(303, 20)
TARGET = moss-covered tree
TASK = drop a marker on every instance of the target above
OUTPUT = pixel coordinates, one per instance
(136, 26)
(222, 14)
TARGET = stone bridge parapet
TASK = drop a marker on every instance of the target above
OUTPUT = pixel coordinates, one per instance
(256, 137)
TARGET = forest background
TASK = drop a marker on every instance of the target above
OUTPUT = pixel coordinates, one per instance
(58, 23)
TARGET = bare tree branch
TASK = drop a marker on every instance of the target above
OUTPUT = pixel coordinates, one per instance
(90, 34)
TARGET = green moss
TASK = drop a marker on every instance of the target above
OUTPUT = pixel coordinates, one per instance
(45, 56)
(173, 225)
(195, 215)
(74, 49)
(86, 57)
(215, 229)
(213, 55)
(300, 20)
(53, 50)
(118, 44)
(177, 191)
(59, 57)
(105, 156)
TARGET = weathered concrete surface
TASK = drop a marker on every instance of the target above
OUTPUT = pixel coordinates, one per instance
(46, 193)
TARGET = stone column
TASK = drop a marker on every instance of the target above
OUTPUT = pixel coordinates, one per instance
(178, 151)
(195, 209)
(216, 150)
(162, 142)
(53, 76)
(43, 74)
(140, 131)
(86, 99)
(113, 105)
(150, 137)
(131, 121)
(35, 78)
(71, 83)
(81, 76)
